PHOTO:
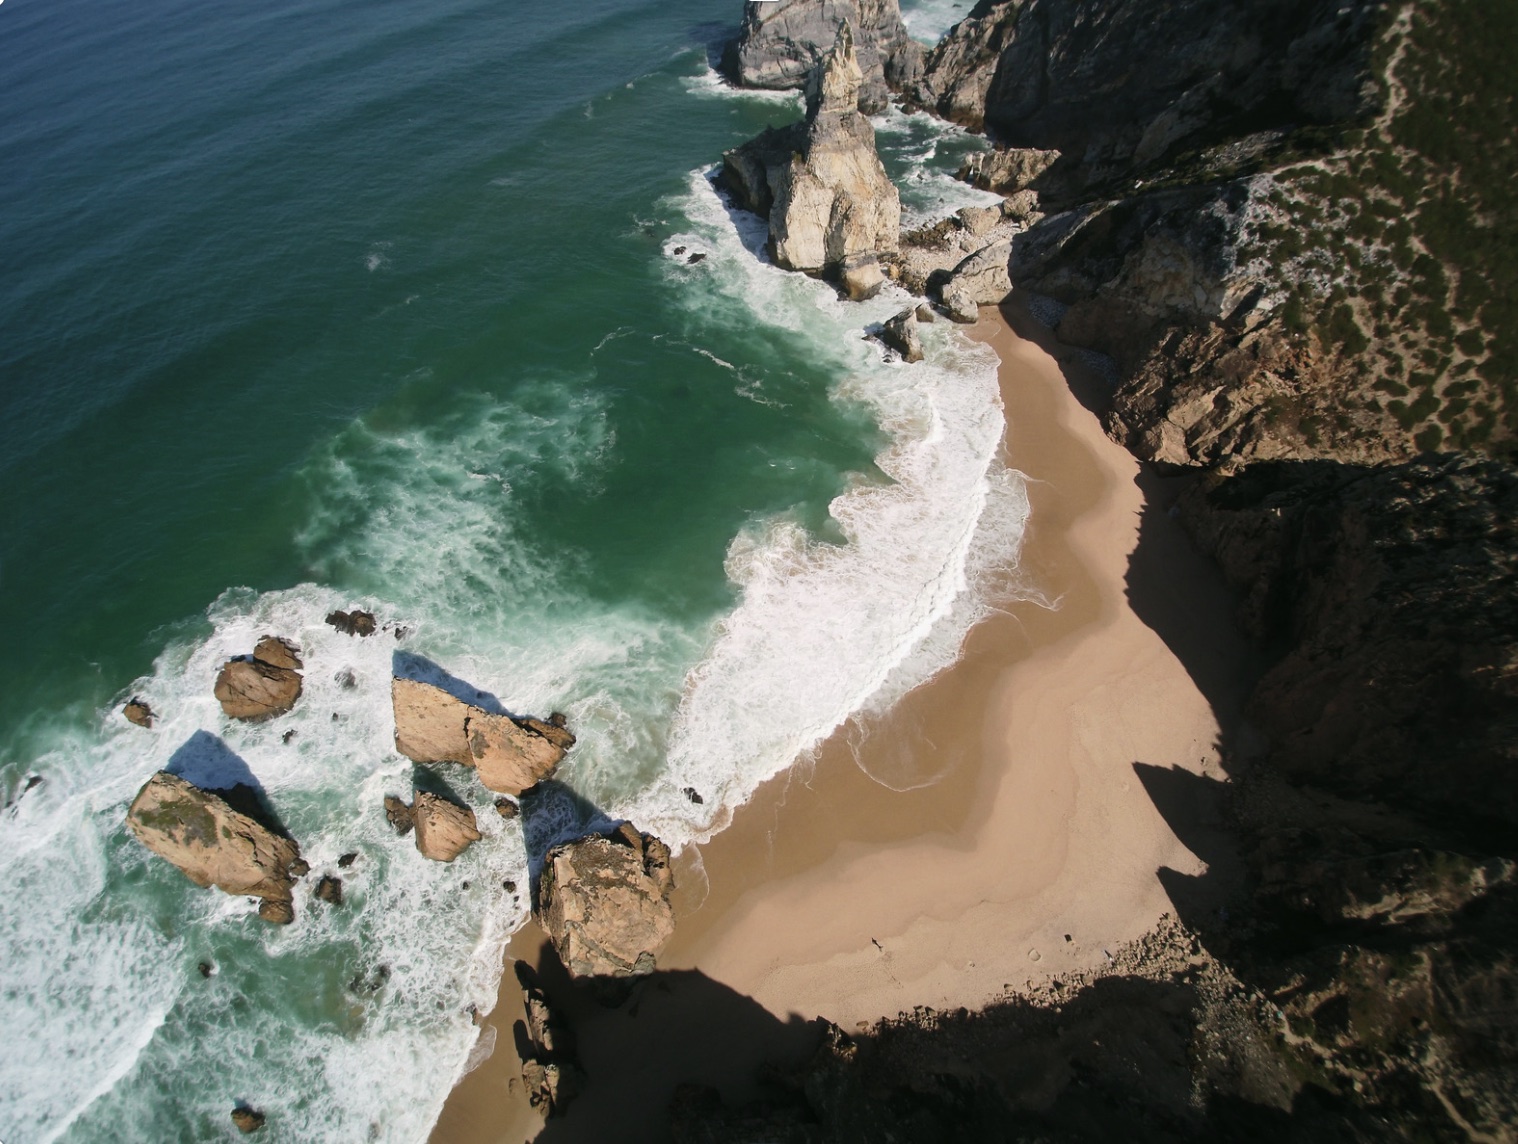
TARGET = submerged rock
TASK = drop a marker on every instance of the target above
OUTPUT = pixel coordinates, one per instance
(604, 903)
(398, 814)
(510, 755)
(782, 41)
(354, 623)
(266, 685)
(214, 845)
(138, 712)
(506, 808)
(444, 830)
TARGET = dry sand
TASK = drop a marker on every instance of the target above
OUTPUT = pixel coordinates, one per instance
(1030, 845)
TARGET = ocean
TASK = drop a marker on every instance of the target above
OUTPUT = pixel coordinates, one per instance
(312, 306)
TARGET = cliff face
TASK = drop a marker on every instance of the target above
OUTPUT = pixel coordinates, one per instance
(1307, 206)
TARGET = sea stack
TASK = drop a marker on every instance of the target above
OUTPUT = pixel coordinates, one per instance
(782, 41)
(832, 209)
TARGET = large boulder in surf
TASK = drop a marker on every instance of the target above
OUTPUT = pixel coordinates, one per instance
(782, 41)
(443, 829)
(511, 755)
(262, 686)
(213, 844)
(900, 333)
(820, 182)
(603, 900)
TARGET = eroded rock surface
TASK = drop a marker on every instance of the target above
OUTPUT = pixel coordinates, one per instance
(900, 333)
(138, 712)
(782, 41)
(214, 845)
(604, 903)
(443, 829)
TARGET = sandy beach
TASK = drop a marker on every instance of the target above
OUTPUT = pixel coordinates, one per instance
(1027, 801)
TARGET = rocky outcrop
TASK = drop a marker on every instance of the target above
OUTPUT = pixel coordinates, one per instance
(981, 279)
(820, 183)
(354, 623)
(443, 829)
(782, 41)
(550, 1070)
(1006, 170)
(138, 712)
(603, 900)
(262, 686)
(398, 814)
(510, 755)
(329, 889)
(214, 845)
(900, 333)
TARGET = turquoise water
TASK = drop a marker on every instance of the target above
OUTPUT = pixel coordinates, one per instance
(315, 305)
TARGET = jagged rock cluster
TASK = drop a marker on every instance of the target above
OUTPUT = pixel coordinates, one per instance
(263, 685)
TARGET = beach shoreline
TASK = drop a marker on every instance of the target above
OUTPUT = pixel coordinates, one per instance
(1028, 848)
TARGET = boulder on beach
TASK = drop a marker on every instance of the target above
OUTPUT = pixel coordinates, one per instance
(138, 712)
(444, 830)
(603, 900)
(511, 755)
(214, 845)
(550, 1070)
(900, 333)
(263, 686)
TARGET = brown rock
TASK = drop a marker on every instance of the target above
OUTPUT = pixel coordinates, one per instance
(299, 868)
(247, 1119)
(900, 333)
(429, 723)
(136, 711)
(254, 689)
(276, 913)
(347, 859)
(550, 1086)
(443, 829)
(199, 832)
(604, 903)
(506, 808)
(330, 889)
(277, 652)
(509, 757)
(399, 814)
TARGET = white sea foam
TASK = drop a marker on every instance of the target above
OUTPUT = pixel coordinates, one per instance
(924, 152)
(928, 20)
(709, 84)
(824, 630)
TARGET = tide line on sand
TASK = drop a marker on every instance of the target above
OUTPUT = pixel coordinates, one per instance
(1036, 851)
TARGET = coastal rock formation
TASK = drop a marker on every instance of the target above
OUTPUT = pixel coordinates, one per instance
(329, 889)
(263, 686)
(214, 845)
(354, 623)
(604, 903)
(399, 815)
(981, 279)
(510, 755)
(444, 830)
(138, 712)
(550, 1070)
(820, 182)
(900, 333)
(781, 42)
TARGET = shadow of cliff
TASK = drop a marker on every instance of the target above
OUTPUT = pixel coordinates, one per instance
(205, 760)
(677, 1028)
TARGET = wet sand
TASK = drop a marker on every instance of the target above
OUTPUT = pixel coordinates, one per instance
(1009, 838)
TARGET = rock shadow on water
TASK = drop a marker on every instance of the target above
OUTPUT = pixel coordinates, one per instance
(553, 812)
(420, 669)
(206, 761)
